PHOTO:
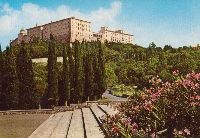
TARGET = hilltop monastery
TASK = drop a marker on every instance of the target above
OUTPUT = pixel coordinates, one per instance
(69, 30)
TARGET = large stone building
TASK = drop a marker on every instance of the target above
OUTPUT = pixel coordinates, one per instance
(69, 30)
(117, 36)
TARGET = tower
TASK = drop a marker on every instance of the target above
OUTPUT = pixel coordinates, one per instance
(21, 35)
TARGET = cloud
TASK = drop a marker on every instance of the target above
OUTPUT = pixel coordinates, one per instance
(11, 20)
(106, 16)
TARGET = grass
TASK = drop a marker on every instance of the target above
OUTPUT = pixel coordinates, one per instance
(20, 126)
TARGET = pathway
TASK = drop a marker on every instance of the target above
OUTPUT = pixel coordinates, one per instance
(112, 97)
(80, 123)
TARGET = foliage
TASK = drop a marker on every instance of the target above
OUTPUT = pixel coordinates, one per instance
(10, 85)
(1, 77)
(93, 66)
(64, 82)
(165, 109)
(134, 65)
(27, 87)
(50, 97)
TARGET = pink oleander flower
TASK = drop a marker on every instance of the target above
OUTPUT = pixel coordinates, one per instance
(175, 73)
(180, 132)
(153, 135)
(148, 105)
(187, 131)
(133, 128)
(126, 121)
(158, 81)
(136, 108)
(115, 130)
(197, 97)
(144, 96)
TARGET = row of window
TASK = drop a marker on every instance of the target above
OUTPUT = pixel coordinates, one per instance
(117, 40)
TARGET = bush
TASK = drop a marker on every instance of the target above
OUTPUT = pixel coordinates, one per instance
(165, 109)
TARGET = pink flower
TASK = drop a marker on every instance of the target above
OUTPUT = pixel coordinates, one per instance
(134, 126)
(175, 73)
(187, 131)
(148, 105)
(126, 121)
(136, 108)
(115, 130)
(180, 132)
(153, 135)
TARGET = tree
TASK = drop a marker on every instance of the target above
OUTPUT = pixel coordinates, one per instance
(88, 77)
(167, 47)
(27, 85)
(10, 82)
(1, 77)
(50, 97)
(64, 92)
(71, 70)
(78, 90)
(101, 69)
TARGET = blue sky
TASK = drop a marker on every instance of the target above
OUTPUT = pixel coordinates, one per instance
(175, 22)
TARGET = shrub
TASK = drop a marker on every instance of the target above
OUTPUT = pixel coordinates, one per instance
(165, 109)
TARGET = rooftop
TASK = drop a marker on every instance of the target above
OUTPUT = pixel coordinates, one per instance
(59, 21)
(117, 31)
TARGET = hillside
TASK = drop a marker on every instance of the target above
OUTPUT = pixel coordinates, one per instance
(128, 68)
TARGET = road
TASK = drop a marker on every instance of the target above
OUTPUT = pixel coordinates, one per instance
(112, 97)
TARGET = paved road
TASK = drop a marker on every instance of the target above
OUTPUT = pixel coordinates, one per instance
(112, 97)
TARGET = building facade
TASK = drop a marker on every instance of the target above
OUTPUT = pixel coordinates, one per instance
(117, 36)
(69, 30)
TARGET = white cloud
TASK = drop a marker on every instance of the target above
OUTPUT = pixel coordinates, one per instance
(29, 14)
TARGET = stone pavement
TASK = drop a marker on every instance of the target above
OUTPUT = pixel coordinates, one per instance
(80, 123)
(76, 129)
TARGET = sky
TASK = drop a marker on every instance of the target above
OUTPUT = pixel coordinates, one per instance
(173, 22)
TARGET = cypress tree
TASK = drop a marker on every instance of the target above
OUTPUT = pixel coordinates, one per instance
(52, 79)
(77, 81)
(96, 73)
(27, 86)
(81, 70)
(1, 78)
(101, 70)
(88, 74)
(10, 83)
(71, 74)
(64, 93)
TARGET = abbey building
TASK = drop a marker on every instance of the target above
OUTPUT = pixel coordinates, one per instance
(69, 30)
